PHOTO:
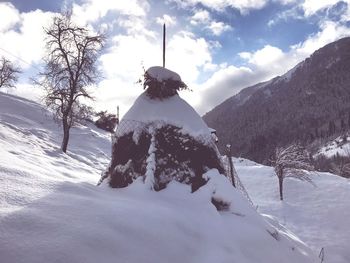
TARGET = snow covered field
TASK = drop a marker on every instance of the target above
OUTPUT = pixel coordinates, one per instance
(52, 211)
(318, 214)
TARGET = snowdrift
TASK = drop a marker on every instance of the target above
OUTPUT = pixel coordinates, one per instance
(318, 214)
(52, 211)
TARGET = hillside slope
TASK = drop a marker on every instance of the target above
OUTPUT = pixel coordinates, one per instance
(52, 211)
(318, 214)
(308, 102)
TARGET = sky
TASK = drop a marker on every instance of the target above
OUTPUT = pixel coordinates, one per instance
(217, 46)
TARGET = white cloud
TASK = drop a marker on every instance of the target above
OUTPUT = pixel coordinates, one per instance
(346, 15)
(224, 83)
(202, 17)
(187, 54)
(93, 10)
(113, 92)
(244, 6)
(122, 64)
(263, 57)
(218, 27)
(129, 52)
(330, 31)
(9, 16)
(124, 59)
(26, 43)
(312, 6)
(135, 26)
(286, 2)
(168, 20)
(303, 9)
(210, 67)
(291, 13)
(263, 65)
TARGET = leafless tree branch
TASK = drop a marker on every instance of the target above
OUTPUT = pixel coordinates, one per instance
(70, 66)
(8, 73)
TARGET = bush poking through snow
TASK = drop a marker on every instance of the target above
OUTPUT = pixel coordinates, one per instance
(106, 121)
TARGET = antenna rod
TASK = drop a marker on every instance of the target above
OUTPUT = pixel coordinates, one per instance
(164, 32)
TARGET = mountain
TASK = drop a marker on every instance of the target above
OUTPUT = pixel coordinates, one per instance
(308, 102)
(52, 211)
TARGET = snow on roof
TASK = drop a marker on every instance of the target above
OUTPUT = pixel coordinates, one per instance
(162, 74)
(173, 110)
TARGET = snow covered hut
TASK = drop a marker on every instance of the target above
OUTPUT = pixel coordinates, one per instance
(162, 138)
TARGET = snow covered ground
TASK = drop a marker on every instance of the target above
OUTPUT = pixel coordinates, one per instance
(32, 164)
(336, 146)
(52, 211)
(318, 214)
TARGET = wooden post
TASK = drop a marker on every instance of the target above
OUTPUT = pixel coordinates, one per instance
(229, 156)
(118, 113)
(164, 32)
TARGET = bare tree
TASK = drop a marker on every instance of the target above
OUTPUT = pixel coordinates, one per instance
(292, 161)
(8, 73)
(70, 67)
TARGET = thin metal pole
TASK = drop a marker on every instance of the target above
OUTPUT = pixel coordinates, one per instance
(164, 32)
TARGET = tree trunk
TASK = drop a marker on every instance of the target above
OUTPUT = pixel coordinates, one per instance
(280, 181)
(65, 135)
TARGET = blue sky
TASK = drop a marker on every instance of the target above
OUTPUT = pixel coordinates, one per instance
(217, 46)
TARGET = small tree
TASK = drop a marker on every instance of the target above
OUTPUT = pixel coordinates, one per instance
(8, 73)
(70, 66)
(292, 161)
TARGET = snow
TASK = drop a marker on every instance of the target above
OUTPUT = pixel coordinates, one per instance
(334, 147)
(31, 162)
(162, 74)
(52, 211)
(287, 76)
(151, 162)
(173, 110)
(84, 223)
(318, 215)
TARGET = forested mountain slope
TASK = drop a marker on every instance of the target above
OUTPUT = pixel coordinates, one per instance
(308, 102)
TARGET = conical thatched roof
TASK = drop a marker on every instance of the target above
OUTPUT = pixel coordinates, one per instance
(162, 138)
